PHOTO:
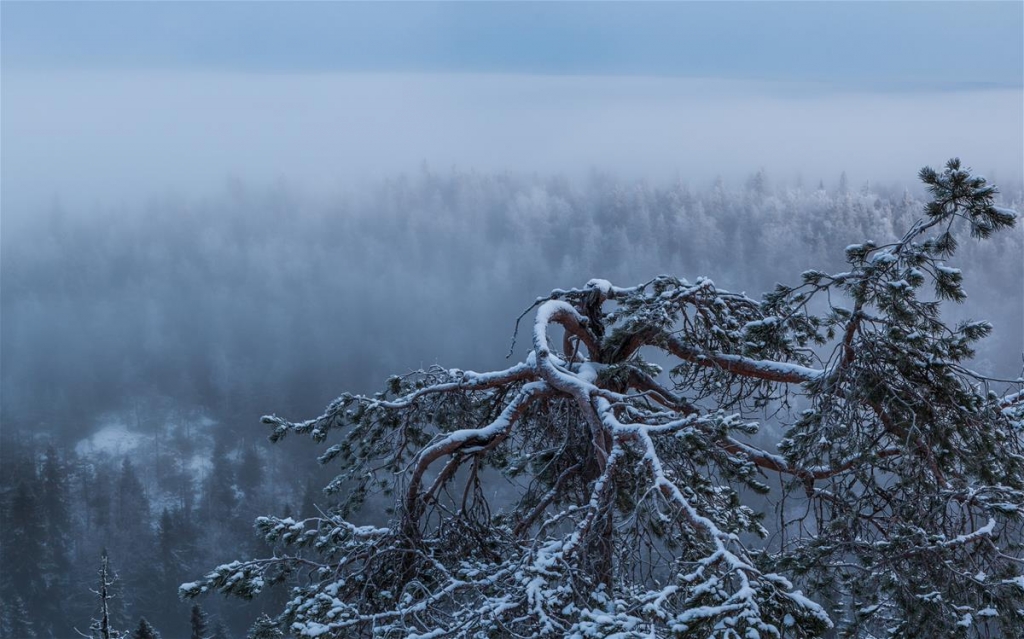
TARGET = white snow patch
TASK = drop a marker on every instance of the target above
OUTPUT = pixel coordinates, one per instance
(604, 286)
(199, 465)
(113, 439)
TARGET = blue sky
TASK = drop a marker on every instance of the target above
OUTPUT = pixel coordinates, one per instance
(903, 45)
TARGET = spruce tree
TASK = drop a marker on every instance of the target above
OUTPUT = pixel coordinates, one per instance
(197, 623)
(16, 621)
(23, 534)
(54, 501)
(55, 560)
(250, 472)
(312, 495)
(166, 534)
(145, 631)
(131, 503)
(219, 498)
(99, 497)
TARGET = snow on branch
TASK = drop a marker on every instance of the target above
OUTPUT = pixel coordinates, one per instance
(623, 512)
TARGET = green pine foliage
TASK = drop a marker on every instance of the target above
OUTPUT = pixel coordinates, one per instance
(898, 484)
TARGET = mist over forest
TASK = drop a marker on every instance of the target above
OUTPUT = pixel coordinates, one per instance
(733, 387)
(142, 344)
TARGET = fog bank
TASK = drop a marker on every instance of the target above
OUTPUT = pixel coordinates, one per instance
(119, 136)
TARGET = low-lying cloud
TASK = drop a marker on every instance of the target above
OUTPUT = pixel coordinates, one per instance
(112, 137)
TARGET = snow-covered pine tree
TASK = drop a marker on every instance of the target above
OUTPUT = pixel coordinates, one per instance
(101, 627)
(265, 628)
(145, 630)
(899, 483)
(197, 623)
